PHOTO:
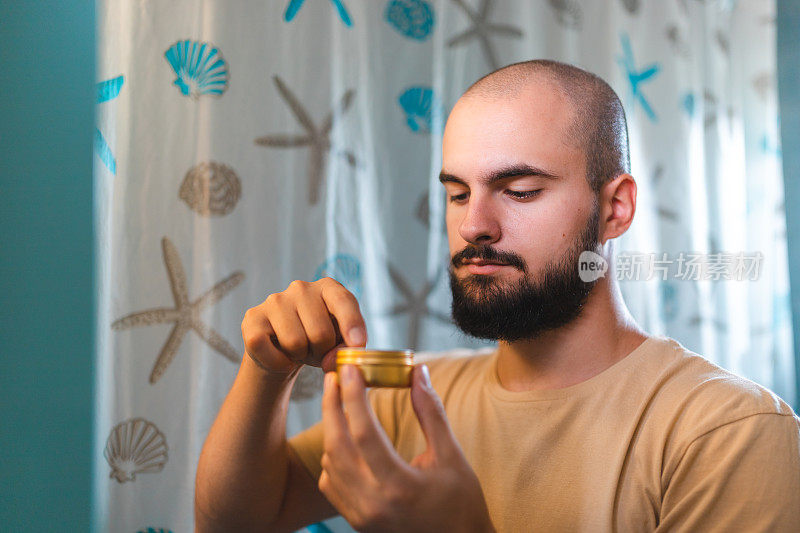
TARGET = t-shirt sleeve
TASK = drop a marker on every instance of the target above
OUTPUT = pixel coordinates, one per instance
(741, 476)
(308, 444)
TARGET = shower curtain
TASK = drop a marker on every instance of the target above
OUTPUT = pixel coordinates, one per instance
(242, 145)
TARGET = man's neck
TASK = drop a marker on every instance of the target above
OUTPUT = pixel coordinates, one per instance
(602, 335)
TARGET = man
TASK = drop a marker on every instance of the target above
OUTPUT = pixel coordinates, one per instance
(577, 421)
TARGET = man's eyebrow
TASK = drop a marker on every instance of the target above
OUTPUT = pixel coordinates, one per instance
(503, 173)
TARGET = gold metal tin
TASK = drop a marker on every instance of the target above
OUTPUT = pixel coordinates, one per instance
(380, 368)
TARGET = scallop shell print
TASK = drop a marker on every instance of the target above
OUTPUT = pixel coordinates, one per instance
(200, 68)
(211, 188)
(135, 446)
(421, 108)
(412, 18)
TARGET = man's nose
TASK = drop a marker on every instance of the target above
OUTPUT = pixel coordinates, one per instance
(480, 224)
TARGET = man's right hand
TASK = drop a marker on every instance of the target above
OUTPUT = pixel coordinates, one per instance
(305, 324)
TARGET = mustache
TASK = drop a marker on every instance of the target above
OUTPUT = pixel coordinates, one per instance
(487, 253)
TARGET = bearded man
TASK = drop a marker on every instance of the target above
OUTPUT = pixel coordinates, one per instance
(577, 421)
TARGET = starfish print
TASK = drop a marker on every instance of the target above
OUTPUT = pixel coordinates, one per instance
(106, 90)
(568, 12)
(697, 321)
(635, 77)
(415, 305)
(679, 44)
(317, 139)
(664, 212)
(295, 5)
(185, 314)
(481, 28)
(422, 212)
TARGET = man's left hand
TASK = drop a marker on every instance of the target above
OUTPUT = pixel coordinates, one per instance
(373, 487)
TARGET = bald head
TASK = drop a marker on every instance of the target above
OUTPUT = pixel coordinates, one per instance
(598, 125)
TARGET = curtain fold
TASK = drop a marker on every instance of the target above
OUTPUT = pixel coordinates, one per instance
(242, 145)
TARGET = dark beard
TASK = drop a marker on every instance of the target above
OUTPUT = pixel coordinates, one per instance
(484, 309)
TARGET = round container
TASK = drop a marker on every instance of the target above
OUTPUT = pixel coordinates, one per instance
(380, 368)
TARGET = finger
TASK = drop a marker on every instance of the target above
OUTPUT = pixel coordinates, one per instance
(350, 504)
(331, 489)
(369, 437)
(344, 307)
(317, 324)
(257, 334)
(336, 441)
(328, 363)
(291, 336)
(338, 493)
(431, 415)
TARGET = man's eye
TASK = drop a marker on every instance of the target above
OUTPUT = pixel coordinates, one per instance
(524, 194)
(458, 197)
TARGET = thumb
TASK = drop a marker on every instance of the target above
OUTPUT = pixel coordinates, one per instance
(431, 415)
(328, 363)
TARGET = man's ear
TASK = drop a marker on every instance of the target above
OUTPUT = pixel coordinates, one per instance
(617, 206)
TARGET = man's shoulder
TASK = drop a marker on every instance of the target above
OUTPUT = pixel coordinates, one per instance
(701, 395)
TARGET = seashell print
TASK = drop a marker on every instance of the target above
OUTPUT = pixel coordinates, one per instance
(309, 383)
(105, 91)
(688, 104)
(421, 108)
(200, 68)
(211, 188)
(135, 446)
(412, 18)
(345, 269)
(108, 89)
(295, 5)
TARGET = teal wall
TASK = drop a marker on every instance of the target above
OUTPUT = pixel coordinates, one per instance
(789, 97)
(46, 303)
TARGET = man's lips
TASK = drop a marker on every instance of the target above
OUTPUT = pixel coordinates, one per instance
(481, 262)
(483, 267)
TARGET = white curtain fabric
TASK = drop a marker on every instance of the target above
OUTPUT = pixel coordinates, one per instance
(241, 145)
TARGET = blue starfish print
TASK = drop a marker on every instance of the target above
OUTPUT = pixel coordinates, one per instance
(635, 77)
(106, 90)
(295, 5)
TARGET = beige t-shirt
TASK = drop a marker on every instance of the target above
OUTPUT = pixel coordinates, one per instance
(662, 440)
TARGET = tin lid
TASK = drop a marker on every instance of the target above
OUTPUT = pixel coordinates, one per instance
(358, 356)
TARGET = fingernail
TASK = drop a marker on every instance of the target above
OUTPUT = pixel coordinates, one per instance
(357, 335)
(426, 376)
